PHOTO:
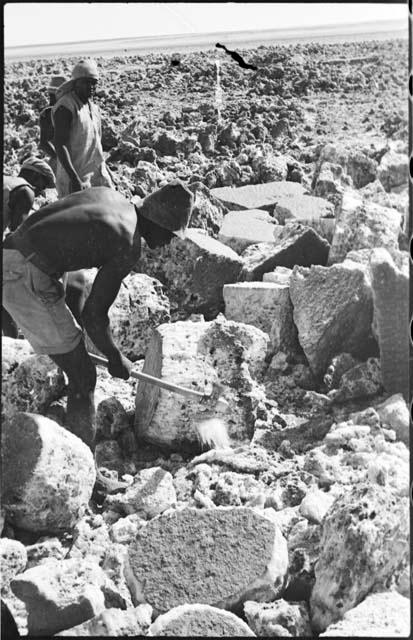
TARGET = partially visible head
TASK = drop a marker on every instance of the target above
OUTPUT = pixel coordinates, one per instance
(38, 174)
(55, 83)
(85, 76)
(166, 213)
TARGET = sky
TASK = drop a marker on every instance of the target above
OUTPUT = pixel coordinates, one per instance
(55, 22)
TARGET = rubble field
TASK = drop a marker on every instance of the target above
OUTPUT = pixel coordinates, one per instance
(290, 294)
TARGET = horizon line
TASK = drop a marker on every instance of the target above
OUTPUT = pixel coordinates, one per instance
(135, 39)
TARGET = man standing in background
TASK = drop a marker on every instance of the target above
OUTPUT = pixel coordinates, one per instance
(46, 124)
(77, 138)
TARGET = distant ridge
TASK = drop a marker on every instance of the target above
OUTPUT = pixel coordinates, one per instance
(108, 47)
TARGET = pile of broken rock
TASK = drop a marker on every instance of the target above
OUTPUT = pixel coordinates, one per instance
(301, 526)
(293, 296)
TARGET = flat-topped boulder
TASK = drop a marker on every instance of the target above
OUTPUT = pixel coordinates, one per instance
(47, 474)
(380, 615)
(363, 225)
(220, 556)
(265, 305)
(193, 620)
(60, 595)
(364, 544)
(390, 286)
(333, 312)
(198, 355)
(257, 196)
(239, 229)
(294, 245)
(194, 272)
(303, 208)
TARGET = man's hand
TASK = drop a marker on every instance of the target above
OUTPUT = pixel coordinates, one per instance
(119, 366)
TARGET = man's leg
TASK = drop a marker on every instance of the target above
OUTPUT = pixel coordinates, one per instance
(8, 326)
(81, 372)
(80, 417)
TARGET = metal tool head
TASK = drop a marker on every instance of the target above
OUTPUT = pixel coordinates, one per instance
(215, 402)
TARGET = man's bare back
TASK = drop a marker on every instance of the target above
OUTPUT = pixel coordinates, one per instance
(86, 229)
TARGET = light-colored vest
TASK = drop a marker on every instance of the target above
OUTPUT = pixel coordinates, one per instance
(9, 184)
(84, 146)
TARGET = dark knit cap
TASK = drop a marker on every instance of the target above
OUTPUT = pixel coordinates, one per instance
(170, 207)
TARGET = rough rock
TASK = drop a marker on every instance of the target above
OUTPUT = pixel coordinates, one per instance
(295, 245)
(90, 539)
(315, 505)
(361, 381)
(278, 618)
(333, 311)
(60, 595)
(394, 414)
(364, 545)
(193, 271)
(114, 567)
(380, 615)
(265, 305)
(114, 622)
(207, 211)
(303, 542)
(48, 474)
(240, 229)
(13, 352)
(13, 557)
(112, 418)
(151, 493)
(281, 275)
(363, 225)
(193, 620)
(393, 170)
(24, 387)
(339, 365)
(220, 557)
(197, 355)
(108, 454)
(257, 196)
(303, 208)
(390, 286)
(43, 550)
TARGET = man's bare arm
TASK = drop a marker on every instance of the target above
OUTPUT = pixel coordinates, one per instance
(20, 204)
(62, 124)
(95, 313)
(45, 143)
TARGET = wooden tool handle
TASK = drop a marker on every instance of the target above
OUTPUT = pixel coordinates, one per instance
(145, 377)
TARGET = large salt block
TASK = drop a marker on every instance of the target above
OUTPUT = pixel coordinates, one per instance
(363, 225)
(197, 355)
(364, 544)
(295, 245)
(239, 229)
(333, 312)
(221, 557)
(257, 196)
(265, 305)
(390, 286)
(47, 474)
(60, 595)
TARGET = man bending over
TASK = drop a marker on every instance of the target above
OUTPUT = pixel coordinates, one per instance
(99, 228)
